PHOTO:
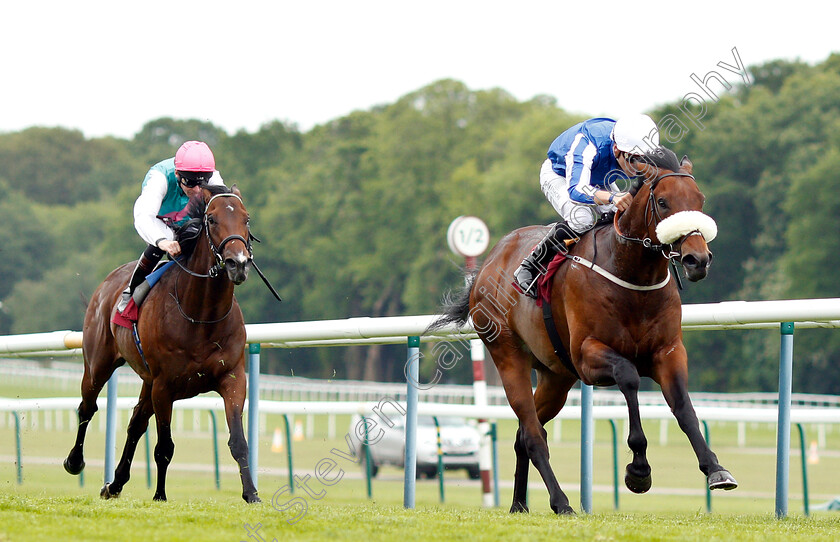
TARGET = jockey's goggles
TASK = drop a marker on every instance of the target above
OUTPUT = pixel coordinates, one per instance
(189, 179)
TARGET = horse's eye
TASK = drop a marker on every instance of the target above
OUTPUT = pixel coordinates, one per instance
(662, 203)
(210, 219)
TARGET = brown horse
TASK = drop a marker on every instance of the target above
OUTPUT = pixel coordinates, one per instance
(192, 337)
(613, 332)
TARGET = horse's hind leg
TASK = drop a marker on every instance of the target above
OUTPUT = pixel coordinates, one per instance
(520, 473)
(95, 377)
(515, 371)
(671, 373)
(549, 398)
(136, 428)
(232, 390)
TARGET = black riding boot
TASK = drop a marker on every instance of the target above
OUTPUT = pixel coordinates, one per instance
(534, 266)
(145, 265)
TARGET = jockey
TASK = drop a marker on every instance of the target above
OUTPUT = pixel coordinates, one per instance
(586, 175)
(164, 195)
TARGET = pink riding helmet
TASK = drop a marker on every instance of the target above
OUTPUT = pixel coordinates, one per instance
(195, 156)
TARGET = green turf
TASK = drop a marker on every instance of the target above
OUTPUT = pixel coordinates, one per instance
(51, 504)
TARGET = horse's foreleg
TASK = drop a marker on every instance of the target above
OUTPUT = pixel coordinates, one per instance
(605, 364)
(136, 428)
(232, 391)
(165, 447)
(530, 438)
(671, 373)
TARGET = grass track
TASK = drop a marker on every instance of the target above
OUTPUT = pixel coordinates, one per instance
(45, 516)
(50, 505)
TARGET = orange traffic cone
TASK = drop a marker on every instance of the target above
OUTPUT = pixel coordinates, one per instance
(277, 441)
(298, 434)
(813, 456)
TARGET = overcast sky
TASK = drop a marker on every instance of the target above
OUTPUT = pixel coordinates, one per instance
(107, 68)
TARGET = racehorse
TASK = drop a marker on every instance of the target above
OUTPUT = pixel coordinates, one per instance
(191, 339)
(617, 313)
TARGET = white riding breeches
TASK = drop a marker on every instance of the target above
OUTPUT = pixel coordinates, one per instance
(579, 216)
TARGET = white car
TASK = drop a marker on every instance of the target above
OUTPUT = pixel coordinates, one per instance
(459, 443)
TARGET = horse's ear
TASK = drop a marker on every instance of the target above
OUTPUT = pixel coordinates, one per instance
(686, 164)
(235, 191)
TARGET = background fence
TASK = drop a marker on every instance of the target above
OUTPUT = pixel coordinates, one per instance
(726, 315)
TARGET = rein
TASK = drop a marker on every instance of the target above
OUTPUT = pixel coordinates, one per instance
(219, 265)
(191, 319)
(666, 249)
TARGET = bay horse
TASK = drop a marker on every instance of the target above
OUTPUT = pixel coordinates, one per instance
(192, 340)
(614, 327)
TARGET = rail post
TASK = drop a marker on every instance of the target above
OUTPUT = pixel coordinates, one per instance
(17, 447)
(495, 447)
(289, 453)
(439, 459)
(412, 379)
(587, 444)
(215, 449)
(148, 461)
(783, 427)
(615, 462)
(804, 468)
(111, 428)
(708, 491)
(254, 410)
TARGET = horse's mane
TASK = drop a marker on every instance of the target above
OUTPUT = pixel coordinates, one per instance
(187, 235)
(661, 158)
(197, 207)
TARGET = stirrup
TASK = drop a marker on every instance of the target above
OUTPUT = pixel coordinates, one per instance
(125, 297)
(529, 290)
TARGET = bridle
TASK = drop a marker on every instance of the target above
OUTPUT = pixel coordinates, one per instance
(219, 266)
(218, 261)
(651, 214)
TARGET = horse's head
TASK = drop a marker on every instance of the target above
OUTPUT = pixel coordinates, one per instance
(673, 211)
(226, 222)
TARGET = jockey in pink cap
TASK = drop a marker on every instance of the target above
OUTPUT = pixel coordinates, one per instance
(165, 193)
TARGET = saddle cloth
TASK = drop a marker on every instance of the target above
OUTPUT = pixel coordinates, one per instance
(546, 279)
(131, 313)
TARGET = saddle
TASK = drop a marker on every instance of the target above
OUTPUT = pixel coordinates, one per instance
(129, 316)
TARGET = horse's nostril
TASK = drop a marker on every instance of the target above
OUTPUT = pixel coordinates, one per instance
(690, 260)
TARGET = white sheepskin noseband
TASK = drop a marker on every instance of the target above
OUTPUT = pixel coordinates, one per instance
(679, 224)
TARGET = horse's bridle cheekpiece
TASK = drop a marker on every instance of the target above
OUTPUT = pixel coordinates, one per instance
(217, 250)
(219, 264)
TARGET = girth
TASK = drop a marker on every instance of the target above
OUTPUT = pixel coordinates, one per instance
(556, 341)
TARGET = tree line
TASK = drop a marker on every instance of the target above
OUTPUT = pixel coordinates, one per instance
(353, 213)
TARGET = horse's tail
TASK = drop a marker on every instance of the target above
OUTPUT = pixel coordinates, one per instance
(455, 309)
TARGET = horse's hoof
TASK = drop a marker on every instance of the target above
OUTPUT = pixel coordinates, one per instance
(566, 511)
(519, 508)
(105, 492)
(721, 479)
(251, 499)
(636, 484)
(73, 469)
(159, 497)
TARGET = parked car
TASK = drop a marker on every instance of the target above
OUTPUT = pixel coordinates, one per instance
(459, 444)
